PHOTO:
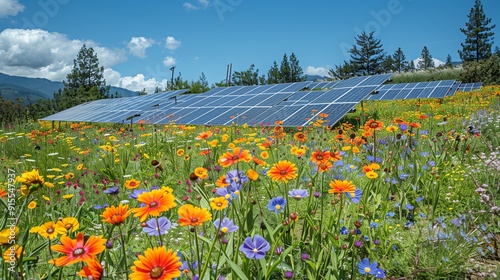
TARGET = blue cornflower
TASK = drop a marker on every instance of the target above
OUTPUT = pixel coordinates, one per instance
(355, 196)
(431, 163)
(403, 127)
(112, 191)
(226, 226)
(365, 267)
(420, 199)
(298, 193)
(390, 214)
(97, 206)
(373, 225)
(277, 204)
(404, 176)
(236, 179)
(152, 227)
(135, 193)
(255, 248)
(409, 207)
(343, 230)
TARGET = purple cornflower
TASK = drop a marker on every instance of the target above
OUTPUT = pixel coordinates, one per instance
(255, 248)
(358, 243)
(355, 196)
(225, 226)
(152, 228)
(112, 191)
(298, 193)
(288, 274)
(135, 193)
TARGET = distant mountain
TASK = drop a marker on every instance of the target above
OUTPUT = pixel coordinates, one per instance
(12, 87)
(437, 62)
(315, 78)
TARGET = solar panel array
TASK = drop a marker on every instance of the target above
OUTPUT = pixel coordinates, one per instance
(294, 104)
(470, 87)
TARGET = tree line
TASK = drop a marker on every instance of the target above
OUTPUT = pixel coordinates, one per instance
(86, 80)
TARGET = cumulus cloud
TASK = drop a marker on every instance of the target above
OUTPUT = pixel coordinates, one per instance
(190, 7)
(42, 54)
(169, 61)
(10, 8)
(138, 45)
(171, 43)
(134, 83)
(321, 71)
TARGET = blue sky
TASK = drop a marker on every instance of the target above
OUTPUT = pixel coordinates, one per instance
(138, 41)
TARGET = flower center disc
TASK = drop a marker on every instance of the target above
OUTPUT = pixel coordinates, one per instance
(78, 252)
(153, 204)
(283, 172)
(50, 230)
(156, 272)
(194, 220)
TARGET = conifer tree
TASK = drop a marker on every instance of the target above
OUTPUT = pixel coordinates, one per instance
(478, 33)
(295, 69)
(285, 70)
(400, 62)
(273, 75)
(367, 55)
(425, 61)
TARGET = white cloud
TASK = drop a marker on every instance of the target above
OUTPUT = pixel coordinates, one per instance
(42, 54)
(171, 43)
(169, 61)
(138, 45)
(10, 8)
(189, 6)
(204, 3)
(437, 62)
(134, 83)
(321, 71)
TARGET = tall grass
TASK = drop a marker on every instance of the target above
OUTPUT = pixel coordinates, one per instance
(427, 76)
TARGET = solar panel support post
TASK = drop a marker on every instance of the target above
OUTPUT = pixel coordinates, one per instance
(53, 125)
(361, 119)
(172, 79)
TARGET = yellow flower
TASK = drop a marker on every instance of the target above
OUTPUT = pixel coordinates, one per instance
(48, 184)
(69, 223)
(32, 205)
(264, 155)
(69, 176)
(371, 174)
(68, 196)
(219, 203)
(355, 150)
(146, 156)
(46, 198)
(252, 174)
(79, 167)
(180, 152)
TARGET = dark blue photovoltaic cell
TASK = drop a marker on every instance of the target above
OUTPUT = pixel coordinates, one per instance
(251, 114)
(454, 88)
(356, 94)
(206, 117)
(226, 116)
(335, 112)
(186, 115)
(468, 87)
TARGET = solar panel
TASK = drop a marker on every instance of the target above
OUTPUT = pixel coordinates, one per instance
(435, 89)
(468, 87)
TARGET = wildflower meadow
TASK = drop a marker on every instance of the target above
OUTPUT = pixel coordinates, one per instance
(398, 190)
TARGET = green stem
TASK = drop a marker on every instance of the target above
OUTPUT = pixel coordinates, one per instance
(159, 233)
(197, 250)
(124, 251)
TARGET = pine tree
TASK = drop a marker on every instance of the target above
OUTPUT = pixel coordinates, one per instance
(295, 69)
(425, 61)
(85, 82)
(367, 55)
(478, 35)
(388, 64)
(273, 75)
(497, 51)
(411, 67)
(342, 71)
(448, 63)
(400, 62)
(285, 74)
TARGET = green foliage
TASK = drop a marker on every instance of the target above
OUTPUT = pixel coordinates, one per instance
(367, 55)
(248, 77)
(425, 61)
(479, 34)
(486, 71)
(426, 76)
(400, 62)
(343, 71)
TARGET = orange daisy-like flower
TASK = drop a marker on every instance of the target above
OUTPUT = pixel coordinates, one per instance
(3, 192)
(258, 161)
(204, 135)
(221, 182)
(334, 156)
(264, 154)
(237, 154)
(338, 186)
(93, 270)
(193, 216)
(156, 264)
(78, 249)
(373, 125)
(301, 137)
(201, 173)
(324, 166)
(319, 156)
(115, 215)
(283, 171)
(132, 184)
(415, 125)
(155, 202)
(219, 203)
(252, 174)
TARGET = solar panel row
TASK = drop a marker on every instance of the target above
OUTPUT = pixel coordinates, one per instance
(470, 87)
(295, 104)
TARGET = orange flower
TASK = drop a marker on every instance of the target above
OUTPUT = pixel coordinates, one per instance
(264, 154)
(391, 128)
(324, 166)
(115, 215)
(78, 249)
(157, 264)
(283, 171)
(237, 154)
(201, 173)
(132, 184)
(373, 125)
(415, 125)
(338, 186)
(367, 168)
(252, 174)
(334, 156)
(155, 202)
(204, 135)
(219, 203)
(319, 156)
(301, 137)
(258, 161)
(93, 270)
(193, 216)
(221, 182)
(3, 193)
